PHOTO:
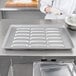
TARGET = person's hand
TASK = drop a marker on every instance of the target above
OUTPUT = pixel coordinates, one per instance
(48, 9)
(52, 10)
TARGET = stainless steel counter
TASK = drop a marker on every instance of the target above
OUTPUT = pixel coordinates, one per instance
(36, 53)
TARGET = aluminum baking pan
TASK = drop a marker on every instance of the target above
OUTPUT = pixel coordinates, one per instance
(37, 37)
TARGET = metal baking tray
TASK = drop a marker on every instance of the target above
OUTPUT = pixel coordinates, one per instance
(53, 69)
(37, 37)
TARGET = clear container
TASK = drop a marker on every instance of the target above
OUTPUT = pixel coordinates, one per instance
(53, 69)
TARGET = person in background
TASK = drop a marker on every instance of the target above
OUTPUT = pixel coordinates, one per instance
(57, 9)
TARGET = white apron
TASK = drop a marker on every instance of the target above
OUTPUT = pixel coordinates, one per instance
(66, 6)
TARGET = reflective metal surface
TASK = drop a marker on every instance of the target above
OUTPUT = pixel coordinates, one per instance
(53, 69)
(37, 37)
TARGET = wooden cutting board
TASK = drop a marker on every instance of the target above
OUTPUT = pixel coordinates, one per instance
(11, 3)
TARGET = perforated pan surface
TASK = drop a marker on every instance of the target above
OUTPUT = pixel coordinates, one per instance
(37, 37)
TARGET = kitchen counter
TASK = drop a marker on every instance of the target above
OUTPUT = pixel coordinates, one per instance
(4, 25)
